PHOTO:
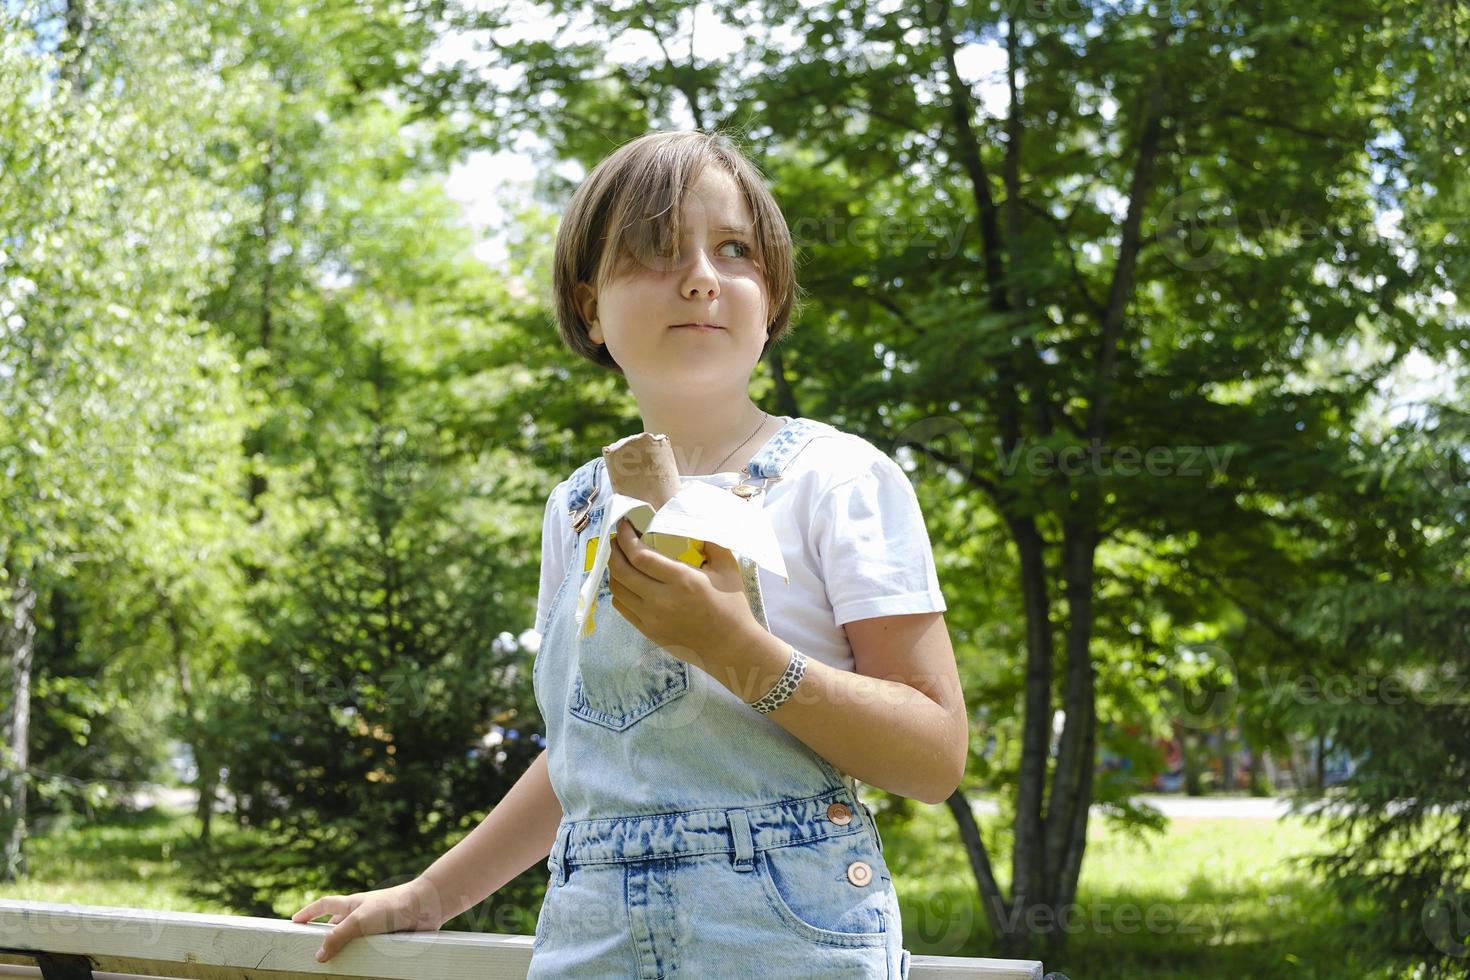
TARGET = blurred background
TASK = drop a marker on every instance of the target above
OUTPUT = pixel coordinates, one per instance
(1161, 304)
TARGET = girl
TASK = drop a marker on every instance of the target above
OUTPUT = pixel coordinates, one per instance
(696, 800)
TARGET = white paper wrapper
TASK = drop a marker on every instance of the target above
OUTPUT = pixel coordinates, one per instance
(700, 511)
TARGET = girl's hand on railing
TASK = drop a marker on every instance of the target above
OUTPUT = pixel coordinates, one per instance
(409, 907)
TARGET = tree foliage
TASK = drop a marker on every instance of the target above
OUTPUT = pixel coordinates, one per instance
(1125, 286)
(1096, 270)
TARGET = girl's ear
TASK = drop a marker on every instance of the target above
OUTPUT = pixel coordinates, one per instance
(586, 301)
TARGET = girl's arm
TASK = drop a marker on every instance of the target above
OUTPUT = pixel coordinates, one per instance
(518, 832)
(897, 721)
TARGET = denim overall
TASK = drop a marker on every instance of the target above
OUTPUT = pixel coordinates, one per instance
(699, 839)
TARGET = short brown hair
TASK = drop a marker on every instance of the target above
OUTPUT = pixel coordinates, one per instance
(631, 202)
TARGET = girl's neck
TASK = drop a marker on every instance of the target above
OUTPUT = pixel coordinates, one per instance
(713, 438)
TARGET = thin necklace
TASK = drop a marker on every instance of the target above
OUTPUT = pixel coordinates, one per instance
(758, 425)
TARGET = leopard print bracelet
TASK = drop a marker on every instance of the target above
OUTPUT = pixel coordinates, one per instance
(785, 685)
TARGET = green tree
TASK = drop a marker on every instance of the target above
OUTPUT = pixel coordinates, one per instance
(1401, 710)
(391, 549)
(1084, 293)
(114, 400)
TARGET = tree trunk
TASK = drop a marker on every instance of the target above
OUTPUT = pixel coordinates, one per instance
(1076, 846)
(1190, 753)
(1057, 861)
(205, 778)
(17, 643)
(1074, 755)
(1071, 790)
(255, 442)
(1028, 859)
(208, 781)
(991, 900)
(785, 396)
(1227, 761)
(204, 775)
(1297, 763)
(1321, 774)
(74, 43)
(1256, 771)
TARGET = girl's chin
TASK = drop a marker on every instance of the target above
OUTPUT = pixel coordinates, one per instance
(702, 373)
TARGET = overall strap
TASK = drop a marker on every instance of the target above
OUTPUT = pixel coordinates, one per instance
(773, 458)
(582, 489)
(765, 468)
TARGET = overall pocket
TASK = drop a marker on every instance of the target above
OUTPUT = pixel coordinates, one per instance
(832, 890)
(543, 919)
(622, 676)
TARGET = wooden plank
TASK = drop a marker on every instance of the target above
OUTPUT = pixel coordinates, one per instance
(972, 968)
(12, 972)
(196, 946)
(920, 968)
(242, 947)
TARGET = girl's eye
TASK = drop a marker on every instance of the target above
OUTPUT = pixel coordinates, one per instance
(673, 252)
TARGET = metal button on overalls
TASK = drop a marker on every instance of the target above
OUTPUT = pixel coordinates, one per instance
(859, 873)
(840, 814)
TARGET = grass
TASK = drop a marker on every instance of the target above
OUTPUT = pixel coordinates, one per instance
(152, 860)
(1210, 898)
(1216, 898)
(134, 860)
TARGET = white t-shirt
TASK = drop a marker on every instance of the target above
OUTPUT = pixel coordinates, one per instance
(851, 533)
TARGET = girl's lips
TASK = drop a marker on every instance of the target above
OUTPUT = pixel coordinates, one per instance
(695, 326)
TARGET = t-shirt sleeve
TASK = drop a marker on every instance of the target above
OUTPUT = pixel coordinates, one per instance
(873, 547)
(555, 541)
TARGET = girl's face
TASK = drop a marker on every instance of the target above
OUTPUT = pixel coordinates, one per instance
(714, 279)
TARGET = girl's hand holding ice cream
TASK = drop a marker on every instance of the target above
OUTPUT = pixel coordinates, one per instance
(697, 614)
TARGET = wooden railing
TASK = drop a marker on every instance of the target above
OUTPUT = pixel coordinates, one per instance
(82, 942)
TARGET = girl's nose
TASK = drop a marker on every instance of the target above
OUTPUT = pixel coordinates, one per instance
(701, 275)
